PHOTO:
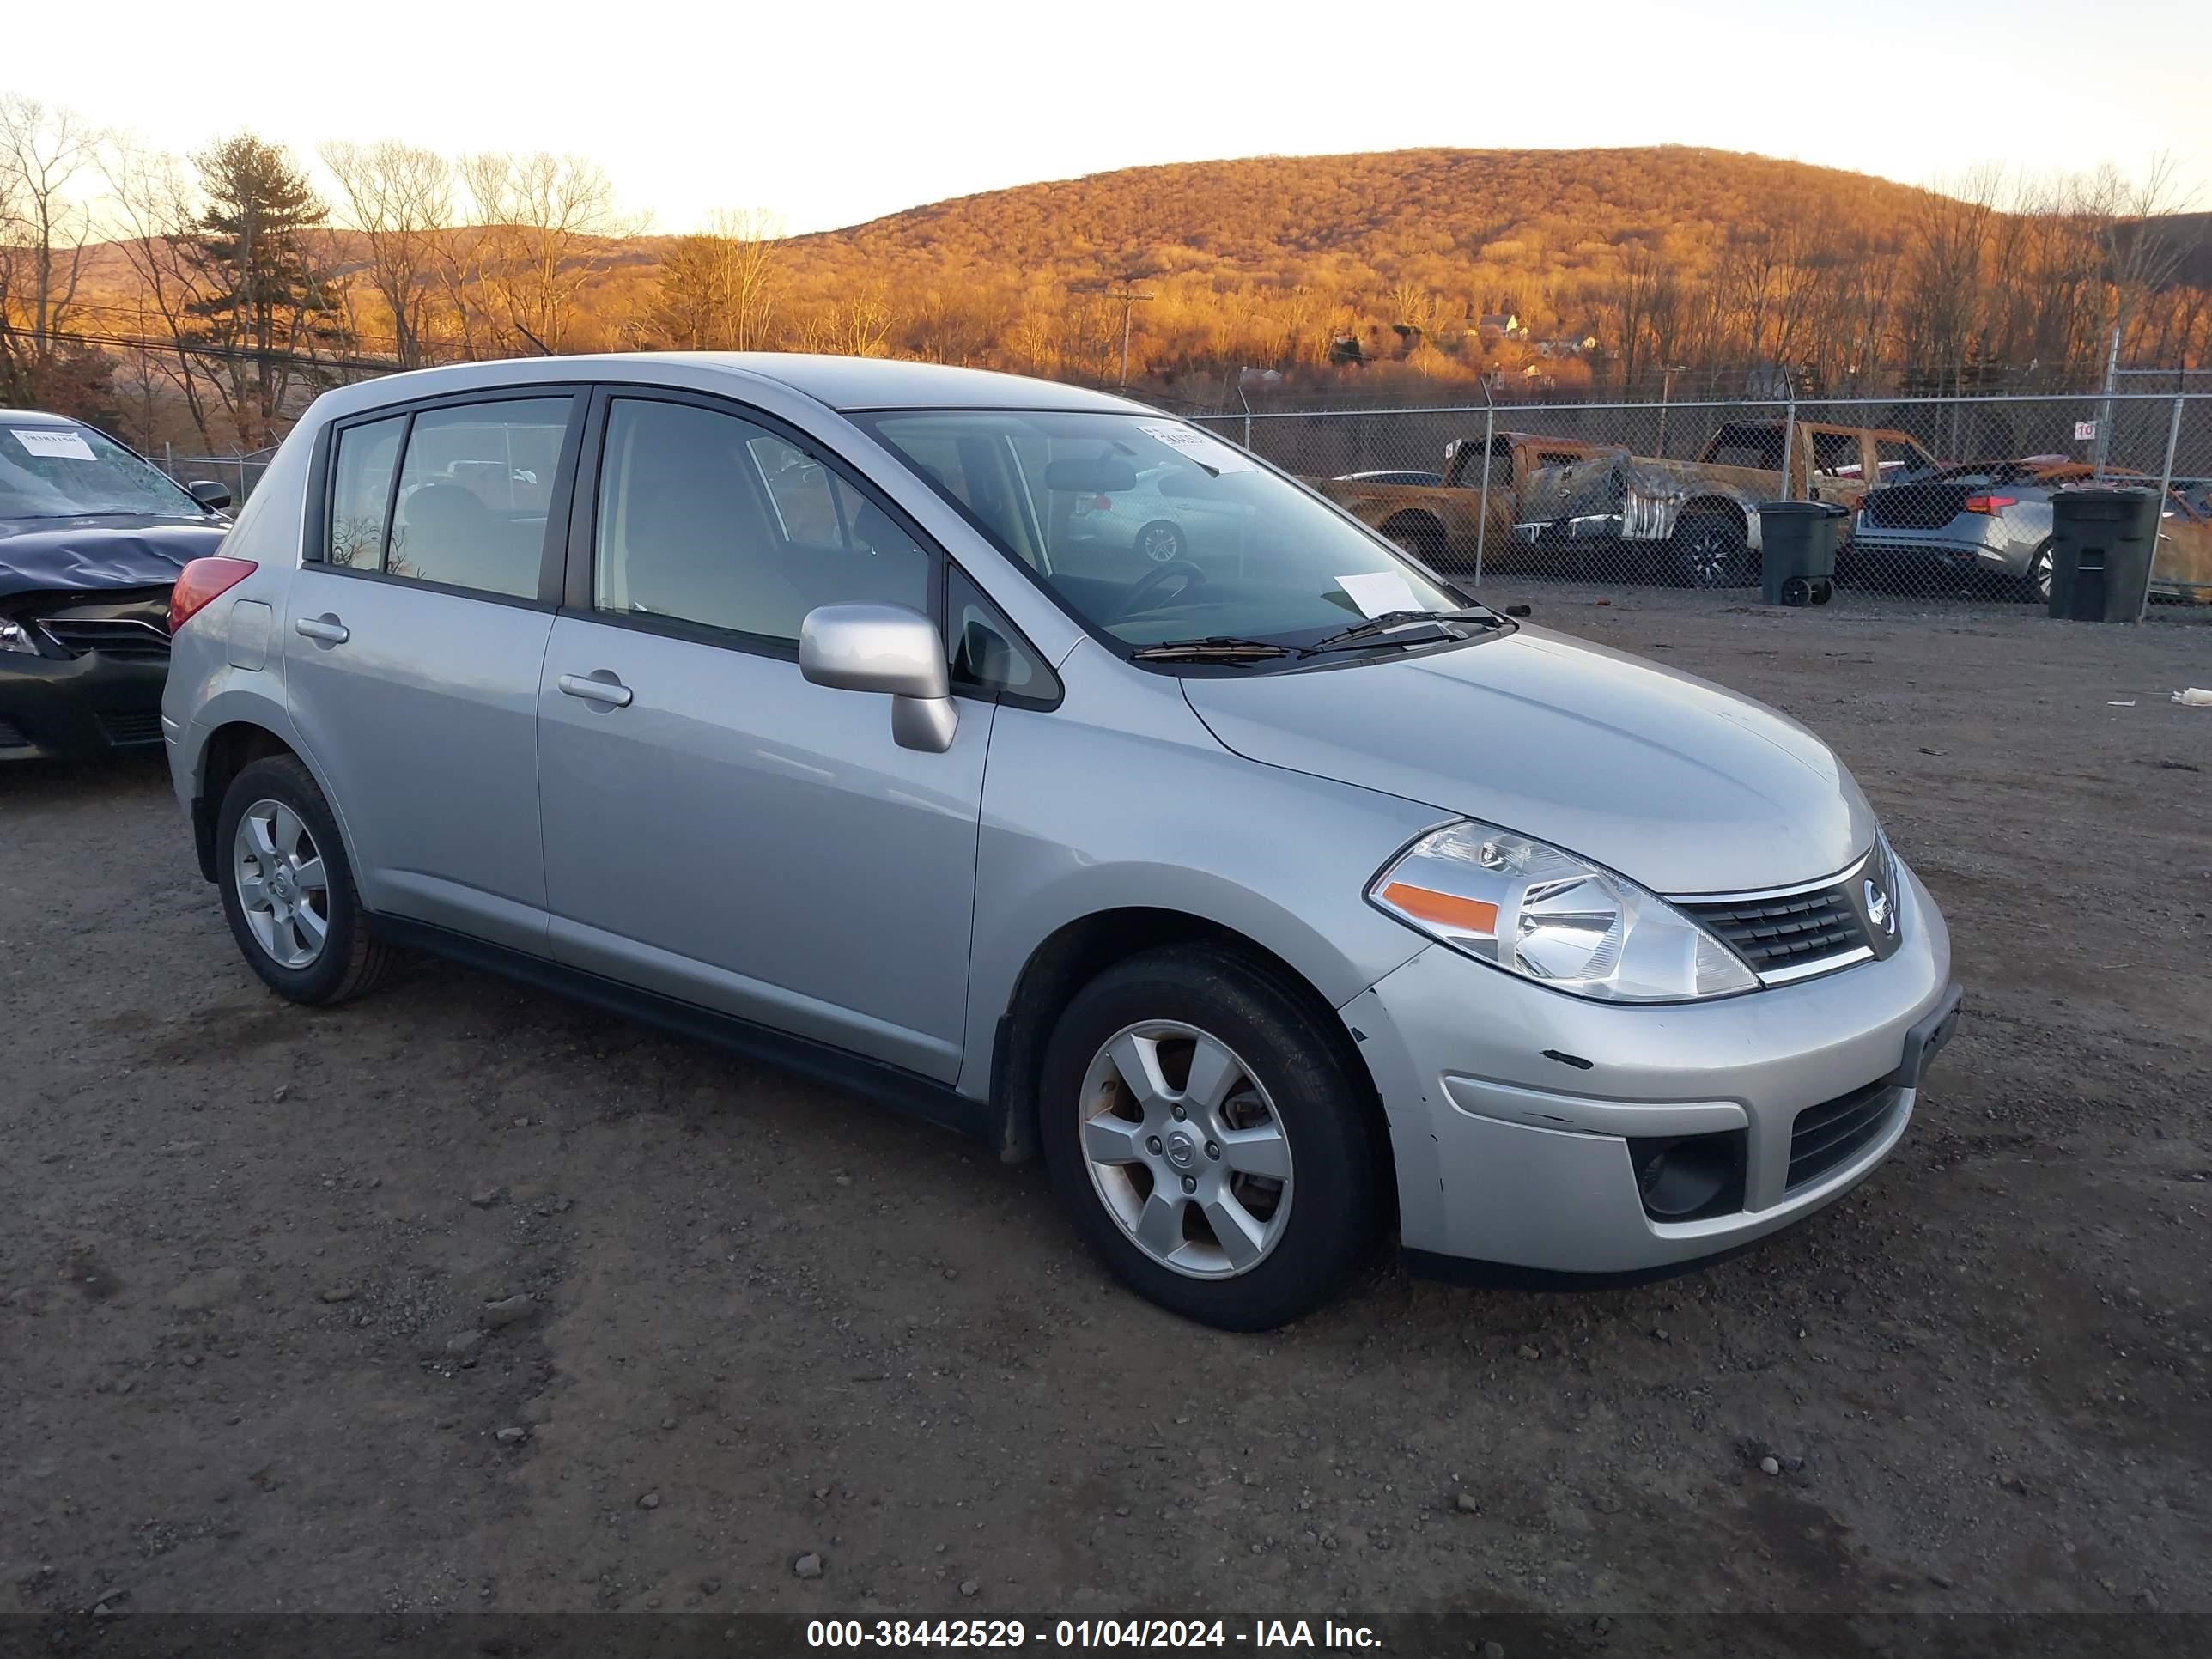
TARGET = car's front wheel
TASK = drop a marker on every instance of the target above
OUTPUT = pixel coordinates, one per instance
(1208, 1139)
(288, 891)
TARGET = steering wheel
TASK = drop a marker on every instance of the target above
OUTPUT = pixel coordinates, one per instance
(1147, 589)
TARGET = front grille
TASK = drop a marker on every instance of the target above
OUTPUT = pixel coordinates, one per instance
(1917, 506)
(123, 640)
(1773, 934)
(1829, 1135)
(122, 729)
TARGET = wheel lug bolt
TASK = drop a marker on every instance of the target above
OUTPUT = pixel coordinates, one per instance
(1179, 1114)
(1212, 1149)
(1153, 1146)
(1190, 1183)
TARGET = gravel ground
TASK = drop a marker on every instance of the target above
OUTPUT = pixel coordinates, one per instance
(465, 1296)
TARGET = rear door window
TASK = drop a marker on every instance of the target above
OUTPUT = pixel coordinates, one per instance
(474, 491)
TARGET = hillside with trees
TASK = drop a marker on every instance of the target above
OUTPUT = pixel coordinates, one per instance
(204, 299)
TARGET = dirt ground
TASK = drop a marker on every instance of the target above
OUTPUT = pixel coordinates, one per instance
(246, 1250)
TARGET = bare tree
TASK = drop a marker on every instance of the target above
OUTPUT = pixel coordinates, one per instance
(157, 207)
(549, 224)
(861, 320)
(400, 198)
(43, 233)
(717, 287)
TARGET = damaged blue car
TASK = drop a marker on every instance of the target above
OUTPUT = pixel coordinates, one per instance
(92, 537)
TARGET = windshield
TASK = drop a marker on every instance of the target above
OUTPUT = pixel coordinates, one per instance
(70, 471)
(1153, 531)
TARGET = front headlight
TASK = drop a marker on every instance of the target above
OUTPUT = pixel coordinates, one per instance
(13, 636)
(1550, 916)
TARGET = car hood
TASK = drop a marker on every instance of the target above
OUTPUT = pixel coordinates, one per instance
(101, 554)
(1673, 781)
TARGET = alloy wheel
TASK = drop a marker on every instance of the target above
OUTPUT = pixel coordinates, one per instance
(1160, 544)
(1186, 1150)
(283, 890)
(1710, 552)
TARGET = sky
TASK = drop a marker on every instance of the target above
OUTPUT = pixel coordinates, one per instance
(828, 112)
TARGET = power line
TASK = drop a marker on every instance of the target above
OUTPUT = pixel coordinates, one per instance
(1123, 289)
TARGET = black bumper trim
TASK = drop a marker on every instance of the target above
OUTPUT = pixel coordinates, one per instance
(1927, 1036)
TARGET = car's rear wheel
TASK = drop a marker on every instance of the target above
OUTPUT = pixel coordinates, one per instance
(1711, 550)
(288, 891)
(2037, 585)
(1208, 1140)
(1160, 542)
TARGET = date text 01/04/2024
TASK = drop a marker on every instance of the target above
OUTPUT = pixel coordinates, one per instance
(1086, 1633)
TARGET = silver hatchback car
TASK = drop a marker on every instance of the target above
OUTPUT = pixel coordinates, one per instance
(1277, 905)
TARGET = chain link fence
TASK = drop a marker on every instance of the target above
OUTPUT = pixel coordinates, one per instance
(239, 471)
(1942, 499)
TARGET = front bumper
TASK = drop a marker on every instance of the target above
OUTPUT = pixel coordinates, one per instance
(1512, 1108)
(77, 707)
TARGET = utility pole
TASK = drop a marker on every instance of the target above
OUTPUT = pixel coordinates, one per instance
(2104, 449)
(1123, 289)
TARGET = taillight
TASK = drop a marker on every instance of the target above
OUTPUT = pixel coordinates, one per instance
(202, 581)
(1103, 504)
(1989, 503)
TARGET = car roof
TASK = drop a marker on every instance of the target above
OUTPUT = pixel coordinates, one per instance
(851, 383)
(36, 417)
(845, 384)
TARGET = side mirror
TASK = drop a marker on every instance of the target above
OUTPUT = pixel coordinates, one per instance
(887, 649)
(209, 495)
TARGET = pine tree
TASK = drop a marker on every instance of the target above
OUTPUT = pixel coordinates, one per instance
(263, 302)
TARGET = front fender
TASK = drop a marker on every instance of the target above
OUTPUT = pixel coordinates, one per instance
(1146, 810)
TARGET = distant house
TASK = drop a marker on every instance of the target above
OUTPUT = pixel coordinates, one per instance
(1567, 345)
(1500, 323)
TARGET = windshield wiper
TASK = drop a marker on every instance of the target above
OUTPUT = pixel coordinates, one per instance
(1374, 628)
(1214, 648)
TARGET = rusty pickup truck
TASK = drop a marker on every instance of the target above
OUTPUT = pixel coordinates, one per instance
(1441, 523)
(1699, 518)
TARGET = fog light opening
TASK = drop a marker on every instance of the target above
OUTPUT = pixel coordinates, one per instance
(1689, 1177)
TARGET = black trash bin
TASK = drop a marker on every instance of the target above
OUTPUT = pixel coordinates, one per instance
(1797, 551)
(2102, 541)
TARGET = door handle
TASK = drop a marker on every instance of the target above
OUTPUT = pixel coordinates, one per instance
(610, 691)
(326, 628)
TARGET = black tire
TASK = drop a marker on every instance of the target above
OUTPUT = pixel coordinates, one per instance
(350, 961)
(1161, 542)
(1711, 550)
(1418, 534)
(1319, 1104)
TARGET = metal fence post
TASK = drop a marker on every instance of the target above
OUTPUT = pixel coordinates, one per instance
(1789, 448)
(2165, 484)
(1482, 510)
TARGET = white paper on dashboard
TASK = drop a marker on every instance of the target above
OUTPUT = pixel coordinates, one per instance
(1203, 447)
(1379, 592)
(64, 443)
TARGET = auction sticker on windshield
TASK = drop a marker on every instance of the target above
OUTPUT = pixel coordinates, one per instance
(1208, 451)
(70, 445)
(1380, 593)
